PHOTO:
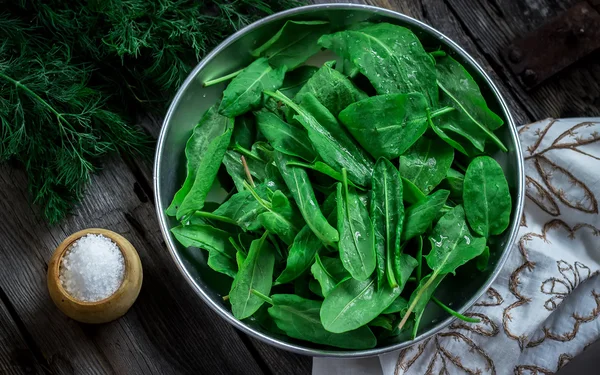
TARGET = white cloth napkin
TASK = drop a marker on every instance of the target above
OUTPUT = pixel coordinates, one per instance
(543, 308)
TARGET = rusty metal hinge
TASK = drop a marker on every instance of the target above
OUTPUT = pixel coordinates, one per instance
(557, 44)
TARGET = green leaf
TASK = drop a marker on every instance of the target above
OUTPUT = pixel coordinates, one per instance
(281, 218)
(243, 208)
(314, 287)
(299, 318)
(305, 247)
(387, 213)
(461, 145)
(399, 305)
(455, 181)
(211, 126)
(387, 125)
(240, 258)
(347, 68)
(452, 243)
(265, 321)
(472, 119)
(301, 287)
(357, 240)
(412, 194)
(205, 175)
(293, 44)
(296, 79)
(483, 260)
(420, 297)
(404, 265)
(329, 139)
(419, 216)
(256, 273)
(385, 322)
(390, 56)
(325, 169)
(328, 272)
(353, 303)
(419, 259)
(244, 131)
(221, 254)
(235, 169)
(284, 137)
(486, 197)
(301, 255)
(332, 89)
(244, 93)
(301, 189)
(426, 163)
(454, 313)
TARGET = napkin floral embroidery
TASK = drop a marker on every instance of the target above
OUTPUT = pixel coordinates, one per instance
(543, 308)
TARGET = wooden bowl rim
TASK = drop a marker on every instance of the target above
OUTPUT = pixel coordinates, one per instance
(119, 240)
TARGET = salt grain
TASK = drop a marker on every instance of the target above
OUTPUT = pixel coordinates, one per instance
(92, 269)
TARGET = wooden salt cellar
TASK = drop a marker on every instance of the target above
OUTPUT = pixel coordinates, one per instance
(110, 308)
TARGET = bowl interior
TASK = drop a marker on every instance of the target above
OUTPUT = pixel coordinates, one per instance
(193, 100)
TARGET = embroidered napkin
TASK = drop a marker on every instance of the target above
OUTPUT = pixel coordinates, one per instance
(542, 309)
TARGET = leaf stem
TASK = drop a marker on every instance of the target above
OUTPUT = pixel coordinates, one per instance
(60, 117)
(454, 313)
(31, 93)
(267, 299)
(279, 95)
(441, 111)
(212, 216)
(438, 53)
(331, 172)
(226, 298)
(247, 152)
(262, 202)
(487, 131)
(237, 247)
(247, 171)
(416, 326)
(222, 79)
(276, 244)
(420, 259)
(417, 298)
(444, 136)
(388, 247)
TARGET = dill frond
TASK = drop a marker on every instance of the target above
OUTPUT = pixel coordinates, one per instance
(73, 75)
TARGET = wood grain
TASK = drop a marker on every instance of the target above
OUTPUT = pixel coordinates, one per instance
(15, 356)
(169, 330)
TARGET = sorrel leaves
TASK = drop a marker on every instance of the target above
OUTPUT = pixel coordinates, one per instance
(244, 93)
(486, 197)
(343, 184)
(394, 62)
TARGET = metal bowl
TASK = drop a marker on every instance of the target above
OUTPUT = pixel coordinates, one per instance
(193, 99)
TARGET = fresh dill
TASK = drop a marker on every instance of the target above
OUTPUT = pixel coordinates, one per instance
(74, 75)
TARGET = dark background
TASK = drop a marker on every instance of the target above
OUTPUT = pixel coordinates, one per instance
(169, 330)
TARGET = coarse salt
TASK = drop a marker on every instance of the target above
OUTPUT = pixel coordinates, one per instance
(92, 269)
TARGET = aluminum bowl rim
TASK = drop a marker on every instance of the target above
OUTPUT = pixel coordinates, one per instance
(296, 348)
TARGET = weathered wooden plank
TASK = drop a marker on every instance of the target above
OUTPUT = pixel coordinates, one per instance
(15, 356)
(168, 330)
(493, 24)
(281, 361)
(25, 246)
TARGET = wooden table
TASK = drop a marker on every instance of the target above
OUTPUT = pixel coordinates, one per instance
(169, 329)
